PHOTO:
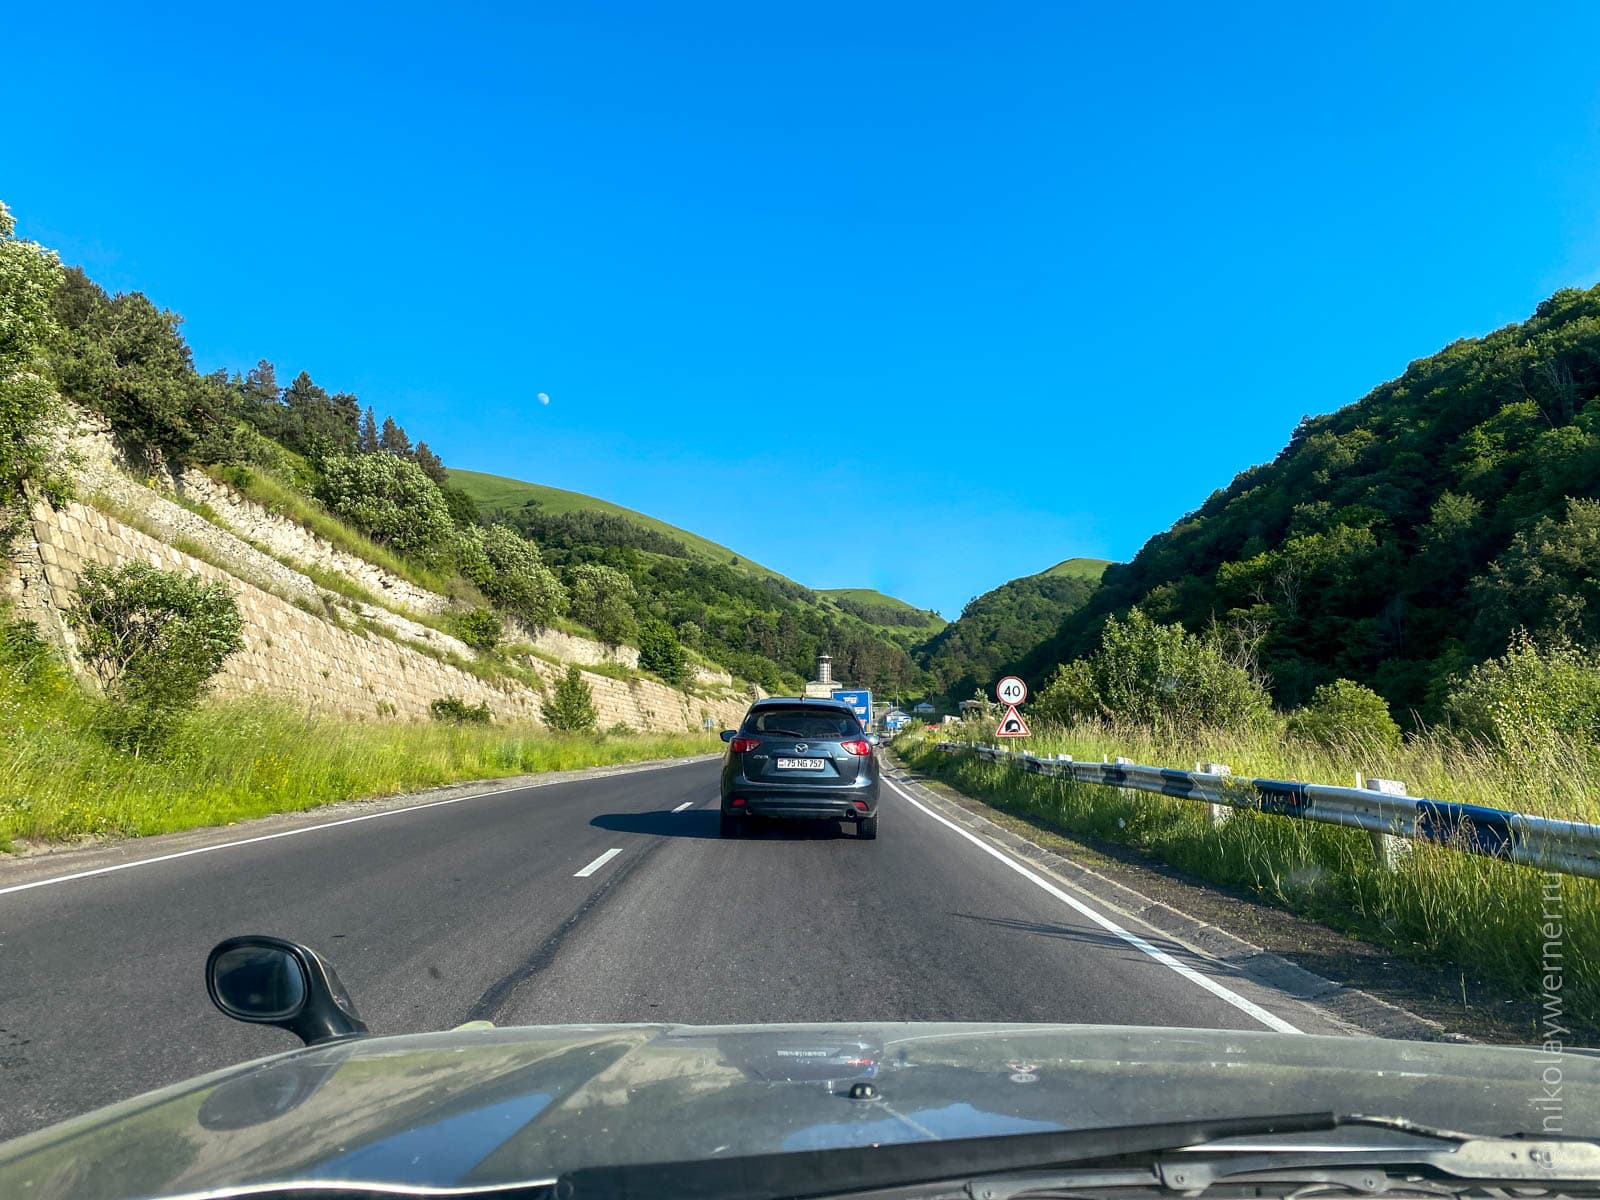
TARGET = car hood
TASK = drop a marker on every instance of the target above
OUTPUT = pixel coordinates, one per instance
(486, 1106)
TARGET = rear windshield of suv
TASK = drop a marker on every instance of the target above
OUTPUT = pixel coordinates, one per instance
(805, 722)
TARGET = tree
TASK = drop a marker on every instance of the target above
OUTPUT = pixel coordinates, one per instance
(393, 439)
(463, 509)
(368, 443)
(517, 579)
(1156, 675)
(1345, 715)
(660, 651)
(391, 501)
(432, 465)
(30, 276)
(153, 639)
(602, 598)
(1547, 581)
(1530, 695)
(571, 709)
(129, 361)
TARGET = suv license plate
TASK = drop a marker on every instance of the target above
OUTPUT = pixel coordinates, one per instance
(801, 764)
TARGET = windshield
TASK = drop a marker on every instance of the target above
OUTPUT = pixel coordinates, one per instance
(694, 519)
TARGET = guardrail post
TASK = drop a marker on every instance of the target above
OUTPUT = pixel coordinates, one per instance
(1386, 848)
(1221, 814)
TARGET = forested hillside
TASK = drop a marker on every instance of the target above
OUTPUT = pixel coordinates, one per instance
(1405, 537)
(327, 459)
(998, 628)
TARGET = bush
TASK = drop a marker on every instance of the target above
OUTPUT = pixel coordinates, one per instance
(29, 277)
(603, 599)
(517, 579)
(1155, 675)
(480, 628)
(571, 709)
(1343, 713)
(457, 711)
(153, 639)
(621, 729)
(1530, 694)
(660, 651)
(390, 500)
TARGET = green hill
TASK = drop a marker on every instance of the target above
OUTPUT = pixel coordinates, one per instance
(1403, 538)
(498, 495)
(997, 629)
(888, 614)
(1080, 568)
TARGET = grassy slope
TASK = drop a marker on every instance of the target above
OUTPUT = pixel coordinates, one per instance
(492, 492)
(496, 492)
(234, 760)
(1079, 568)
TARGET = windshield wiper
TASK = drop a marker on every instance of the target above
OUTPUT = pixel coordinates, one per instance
(1464, 1159)
(803, 1173)
(1166, 1157)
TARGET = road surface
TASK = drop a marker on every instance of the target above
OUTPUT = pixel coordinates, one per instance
(594, 899)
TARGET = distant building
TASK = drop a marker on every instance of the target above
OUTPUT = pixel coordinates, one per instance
(822, 686)
(924, 709)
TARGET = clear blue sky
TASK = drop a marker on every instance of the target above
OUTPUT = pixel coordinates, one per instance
(1016, 282)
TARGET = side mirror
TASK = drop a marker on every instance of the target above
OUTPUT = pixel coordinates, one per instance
(874, 739)
(268, 981)
(727, 734)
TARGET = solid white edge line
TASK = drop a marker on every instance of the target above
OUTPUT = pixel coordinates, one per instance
(1248, 1007)
(684, 805)
(267, 837)
(598, 863)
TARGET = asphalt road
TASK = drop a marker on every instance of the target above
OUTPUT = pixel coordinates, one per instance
(507, 907)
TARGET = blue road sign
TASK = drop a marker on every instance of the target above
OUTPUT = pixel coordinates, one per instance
(860, 701)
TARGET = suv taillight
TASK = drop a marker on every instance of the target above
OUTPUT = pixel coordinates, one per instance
(858, 746)
(742, 745)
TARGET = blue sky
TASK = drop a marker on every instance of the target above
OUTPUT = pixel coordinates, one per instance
(994, 285)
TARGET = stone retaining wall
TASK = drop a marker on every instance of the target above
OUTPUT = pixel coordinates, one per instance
(308, 657)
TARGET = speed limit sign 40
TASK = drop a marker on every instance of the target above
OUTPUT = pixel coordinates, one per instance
(1011, 690)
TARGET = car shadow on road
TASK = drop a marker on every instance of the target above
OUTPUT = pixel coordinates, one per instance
(704, 822)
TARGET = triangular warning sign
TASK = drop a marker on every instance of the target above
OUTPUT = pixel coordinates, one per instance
(1012, 724)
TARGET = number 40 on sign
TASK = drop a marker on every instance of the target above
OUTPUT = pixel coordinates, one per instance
(1011, 692)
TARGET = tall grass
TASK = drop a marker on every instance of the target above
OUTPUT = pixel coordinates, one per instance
(1437, 904)
(232, 761)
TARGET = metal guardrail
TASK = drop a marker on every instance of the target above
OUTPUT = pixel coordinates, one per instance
(1566, 847)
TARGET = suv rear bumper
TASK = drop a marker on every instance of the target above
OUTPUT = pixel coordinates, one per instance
(799, 802)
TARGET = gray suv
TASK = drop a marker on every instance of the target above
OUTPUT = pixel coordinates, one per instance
(800, 758)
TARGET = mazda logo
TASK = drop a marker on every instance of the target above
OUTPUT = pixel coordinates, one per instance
(799, 745)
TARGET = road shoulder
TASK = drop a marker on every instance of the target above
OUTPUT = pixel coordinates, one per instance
(1358, 984)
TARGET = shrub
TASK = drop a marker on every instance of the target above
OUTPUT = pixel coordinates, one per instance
(390, 500)
(621, 729)
(660, 651)
(603, 599)
(29, 277)
(480, 628)
(1343, 713)
(153, 639)
(571, 709)
(1529, 694)
(456, 711)
(1153, 674)
(517, 579)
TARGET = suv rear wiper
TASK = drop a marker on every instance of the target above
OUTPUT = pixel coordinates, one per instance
(1012, 1166)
